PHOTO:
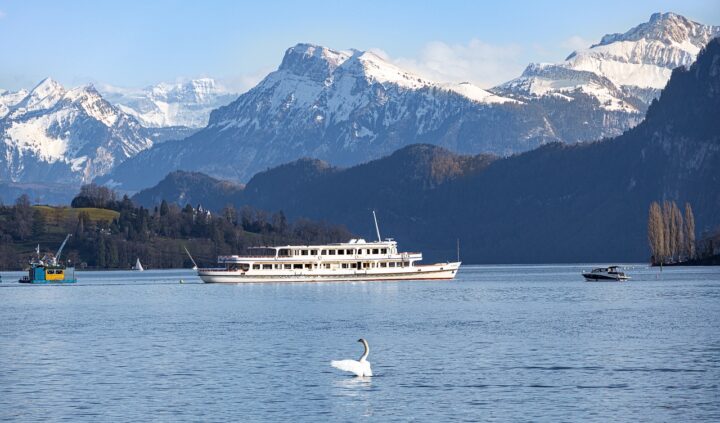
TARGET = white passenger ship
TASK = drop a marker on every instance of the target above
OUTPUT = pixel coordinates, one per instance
(356, 260)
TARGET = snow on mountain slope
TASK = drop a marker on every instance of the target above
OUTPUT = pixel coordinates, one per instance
(9, 99)
(623, 71)
(330, 85)
(180, 104)
(346, 108)
(50, 134)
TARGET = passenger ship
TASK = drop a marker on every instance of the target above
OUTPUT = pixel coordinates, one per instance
(356, 260)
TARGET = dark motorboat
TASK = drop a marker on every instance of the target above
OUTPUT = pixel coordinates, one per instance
(611, 273)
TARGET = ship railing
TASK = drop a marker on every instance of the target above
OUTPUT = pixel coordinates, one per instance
(220, 258)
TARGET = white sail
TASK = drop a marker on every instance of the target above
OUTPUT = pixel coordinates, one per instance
(138, 265)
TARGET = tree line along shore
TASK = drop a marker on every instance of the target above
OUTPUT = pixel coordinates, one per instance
(111, 233)
(671, 237)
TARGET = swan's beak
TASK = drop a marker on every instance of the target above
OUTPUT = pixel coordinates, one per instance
(360, 340)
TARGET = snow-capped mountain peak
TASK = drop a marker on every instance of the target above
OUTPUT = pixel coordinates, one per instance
(186, 103)
(668, 28)
(43, 96)
(376, 69)
(90, 100)
(645, 55)
(326, 67)
(312, 61)
(53, 134)
(624, 71)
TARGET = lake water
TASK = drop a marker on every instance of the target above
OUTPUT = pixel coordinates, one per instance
(500, 343)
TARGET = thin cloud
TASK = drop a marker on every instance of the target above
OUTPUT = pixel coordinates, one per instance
(2, 14)
(481, 63)
(576, 42)
(242, 83)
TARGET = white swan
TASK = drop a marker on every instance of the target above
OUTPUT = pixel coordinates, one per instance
(359, 367)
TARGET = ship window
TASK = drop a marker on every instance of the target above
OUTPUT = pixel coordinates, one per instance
(308, 266)
(341, 252)
(327, 265)
(332, 252)
(267, 266)
(324, 252)
(384, 250)
(375, 250)
(304, 252)
(256, 266)
(392, 264)
(353, 265)
(277, 266)
(383, 265)
(297, 266)
(288, 266)
(313, 252)
(284, 252)
(50, 272)
(349, 252)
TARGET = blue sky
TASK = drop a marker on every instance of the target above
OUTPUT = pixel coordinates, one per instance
(138, 43)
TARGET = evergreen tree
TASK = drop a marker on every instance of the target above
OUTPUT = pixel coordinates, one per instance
(101, 252)
(38, 225)
(22, 218)
(164, 208)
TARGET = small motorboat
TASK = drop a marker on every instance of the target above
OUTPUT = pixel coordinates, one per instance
(611, 273)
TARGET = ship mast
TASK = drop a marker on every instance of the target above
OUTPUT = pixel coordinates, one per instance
(377, 228)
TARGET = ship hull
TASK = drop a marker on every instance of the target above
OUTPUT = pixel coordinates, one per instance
(589, 277)
(443, 271)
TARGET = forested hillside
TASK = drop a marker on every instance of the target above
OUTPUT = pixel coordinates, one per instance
(109, 233)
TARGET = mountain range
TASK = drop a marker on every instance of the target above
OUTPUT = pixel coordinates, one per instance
(350, 107)
(52, 134)
(344, 107)
(557, 203)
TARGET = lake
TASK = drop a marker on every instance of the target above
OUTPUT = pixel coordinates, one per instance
(500, 343)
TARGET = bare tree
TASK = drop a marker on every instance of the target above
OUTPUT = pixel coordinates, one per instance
(668, 236)
(656, 233)
(689, 232)
(678, 233)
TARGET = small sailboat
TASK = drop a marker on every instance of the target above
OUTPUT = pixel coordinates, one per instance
(138, 266)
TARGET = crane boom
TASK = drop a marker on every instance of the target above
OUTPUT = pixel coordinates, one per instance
(57, 255)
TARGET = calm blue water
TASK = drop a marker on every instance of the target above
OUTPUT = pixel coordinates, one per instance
(514, 343)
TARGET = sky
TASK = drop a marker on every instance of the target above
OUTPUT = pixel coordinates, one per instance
(135, 44)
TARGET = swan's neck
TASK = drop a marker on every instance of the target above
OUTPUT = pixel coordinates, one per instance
(367, 351)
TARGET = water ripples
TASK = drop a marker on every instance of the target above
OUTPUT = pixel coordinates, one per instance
(502, 343)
